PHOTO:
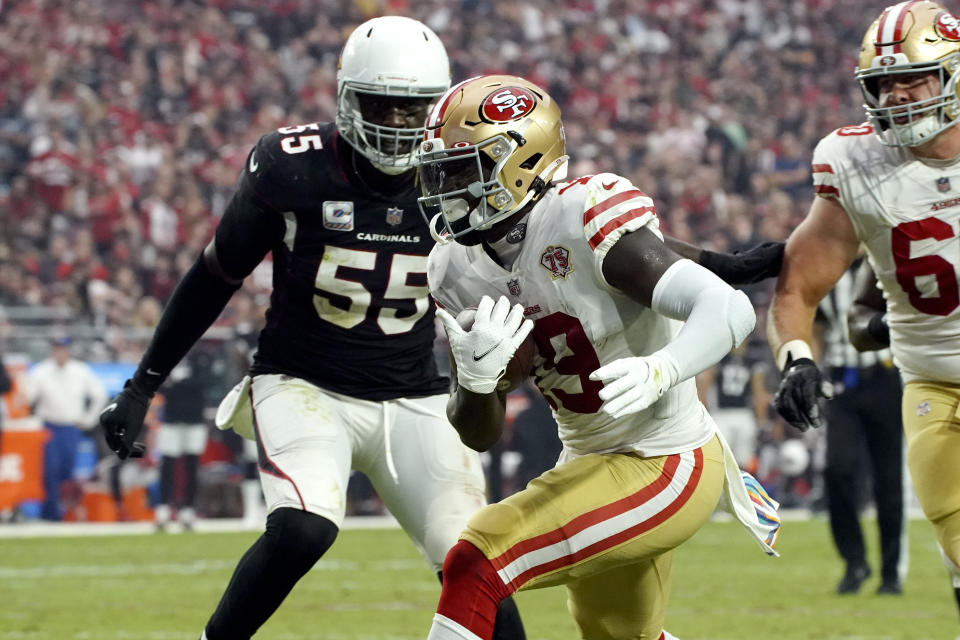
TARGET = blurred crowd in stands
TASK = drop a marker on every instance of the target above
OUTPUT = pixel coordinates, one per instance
(124, 125)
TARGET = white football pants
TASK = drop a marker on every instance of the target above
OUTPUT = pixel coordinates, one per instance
(310, 439)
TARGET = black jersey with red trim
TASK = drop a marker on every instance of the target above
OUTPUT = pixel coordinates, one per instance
(350, 309)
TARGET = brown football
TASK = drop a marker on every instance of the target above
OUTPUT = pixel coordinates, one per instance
(519, 367)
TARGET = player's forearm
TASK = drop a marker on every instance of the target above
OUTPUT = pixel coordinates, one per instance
(817, 253)
(790, 327)
(196, 302)
(867, 317)
(716, 318)
(682, 249)
(477, 417)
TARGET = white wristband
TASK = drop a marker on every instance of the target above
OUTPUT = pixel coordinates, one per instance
(793, 350)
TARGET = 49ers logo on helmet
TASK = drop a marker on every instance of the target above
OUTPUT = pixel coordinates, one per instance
(947, 26)
(506, 104)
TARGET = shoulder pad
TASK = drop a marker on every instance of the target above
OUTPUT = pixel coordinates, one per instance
(842, 141)
(285, 165)
(832, 154)
(604, 186)
(613, 206)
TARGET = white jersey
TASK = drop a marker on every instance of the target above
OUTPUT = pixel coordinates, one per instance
(580, 321)
(906, 212)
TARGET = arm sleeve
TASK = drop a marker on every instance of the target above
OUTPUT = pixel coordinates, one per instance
(717, 317)
(245, 235)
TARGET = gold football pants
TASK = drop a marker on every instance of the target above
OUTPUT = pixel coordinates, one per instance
(605, 526)
(931, 423)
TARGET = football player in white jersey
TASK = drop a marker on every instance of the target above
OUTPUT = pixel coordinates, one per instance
(620, 324)
(891, 185)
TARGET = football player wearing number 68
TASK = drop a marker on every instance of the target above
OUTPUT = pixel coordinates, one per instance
(620, 323)
(344, 376)
(892, 185)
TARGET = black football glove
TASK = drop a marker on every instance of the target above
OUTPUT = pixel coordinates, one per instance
(122, 421)
(798, 398)
(745, 267)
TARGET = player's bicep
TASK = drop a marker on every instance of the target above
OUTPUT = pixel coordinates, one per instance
(636, 262)
(246, 233)
(818, 252)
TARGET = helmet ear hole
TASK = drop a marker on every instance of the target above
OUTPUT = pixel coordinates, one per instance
(531, 162)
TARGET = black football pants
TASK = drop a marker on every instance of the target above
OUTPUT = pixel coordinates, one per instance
(864, 449)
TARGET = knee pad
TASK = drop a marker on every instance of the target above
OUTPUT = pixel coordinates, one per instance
(299, 535)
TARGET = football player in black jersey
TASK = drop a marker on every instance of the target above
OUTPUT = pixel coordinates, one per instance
(344, 376)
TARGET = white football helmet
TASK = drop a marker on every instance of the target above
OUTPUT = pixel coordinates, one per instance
(911, 38)
(393, 61)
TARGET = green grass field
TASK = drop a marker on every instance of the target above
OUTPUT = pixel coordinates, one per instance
(374, 586)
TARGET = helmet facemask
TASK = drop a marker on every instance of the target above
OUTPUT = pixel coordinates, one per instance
(914, 123)
(461, 186)
(392, 150)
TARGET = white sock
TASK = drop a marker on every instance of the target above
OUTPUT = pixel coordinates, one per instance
(161, 514)
(668, 636)
(443, 628)
(187, 516)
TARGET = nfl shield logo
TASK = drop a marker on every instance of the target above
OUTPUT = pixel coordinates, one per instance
(514, 286)
(943, 184)
(394, 216)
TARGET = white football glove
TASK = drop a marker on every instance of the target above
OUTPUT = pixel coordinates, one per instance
(482, 354)
(633, 384)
